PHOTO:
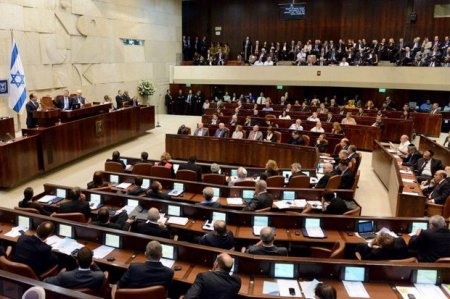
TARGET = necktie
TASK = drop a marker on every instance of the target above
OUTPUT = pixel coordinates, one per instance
(254, 136)
(423, 167)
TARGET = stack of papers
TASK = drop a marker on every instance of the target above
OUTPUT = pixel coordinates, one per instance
(270, 288)
(410, 193)
(166, 262)
(284, 204)
(102, 251)
(46, 198)
(405, 291)
(315, 232)
(406, 171)
(285, 284)
(175, 192)
(408, 180)
(315, 204)
(301, 203)
(123, 185)
(15, 231)
(234, 201)
(355, 289)
(178, 220)
(309, 287)
(67, 245)
(430, 291)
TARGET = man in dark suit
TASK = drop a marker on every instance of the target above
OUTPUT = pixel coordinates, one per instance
(34, 252)
(168, 101)
(208, 194)
(412, 157)
(190, 165)
(79, 99)
(27, 202)
(383, 247)
(77, 204)
(31, 106)
(148, 274)
(137, 189)
(221, 132)
(116, 158)
(439, 188)
(330, 118)
(333, 205)
(218, 283)
(88, 275)
(433, 243)
(153, 226)
(262, 199)
(155, 191)
(119, 99)
(265, 246)
(327, 170)
(119, 221)
(201, 131)
(427, 166)
(296, 170)
(347, 175)
(179, 103)
(220, 237)
(64, 102)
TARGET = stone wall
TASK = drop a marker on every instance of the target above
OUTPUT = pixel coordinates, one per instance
(77, 44)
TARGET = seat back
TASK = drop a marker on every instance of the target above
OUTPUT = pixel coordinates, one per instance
(47, 103)
(186, 175)
(77, 217)
(17, 268)
(244, 134)
(113, 166)
(354, 212)
(270, 116)
(407, 260)
(155, 292)
(355, 183)
(337, 252)
(275, 181)
(142, 169)
(300, 181)
(215, 178)
(246, 183)
(334, 182)
(443, 260)
(29, 210)
(264, 210)
(161, 172)
(277, 136)
(307, 139)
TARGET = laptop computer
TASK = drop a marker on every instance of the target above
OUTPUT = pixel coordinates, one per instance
(366, 229)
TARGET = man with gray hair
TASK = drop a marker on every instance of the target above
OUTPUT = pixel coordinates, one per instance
(148, 274)
(296, 170)
(208, 198)
(241, 176)
(265, 246)
(221, 237)
(261, 199)
(218, 283)
(327, 173)
(215, 168)
(433, 243)
(153, 226)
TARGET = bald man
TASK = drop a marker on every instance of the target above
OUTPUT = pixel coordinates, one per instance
(218, 283)
(327, 170)
(439, 188)
(221, 237)
(153, 226)
(402, 148)
(265, 246)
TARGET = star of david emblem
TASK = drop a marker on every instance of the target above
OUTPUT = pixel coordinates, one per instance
(17, 79)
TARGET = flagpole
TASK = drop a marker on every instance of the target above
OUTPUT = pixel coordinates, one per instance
(19, 124)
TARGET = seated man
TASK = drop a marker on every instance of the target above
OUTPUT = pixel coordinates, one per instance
(327, 174)
(313, 117)
(241, 176)
(219, 238)
(427, 166)
(34, 252)
(296, 170)
(27, 202)
(88, 275)
(433, 243)
(255, 134)
(201, 131)
(218, 283)
(190, 165)
(77, 204)
(333, 204)
(347, 175)
(153, 226)
(265, 245)
(402, 148)
(439, 188)
(348, 120)
(262, 199)
(325, 291)
(155, 191)
(215, 168)
(119, 221)
(144, 158)
(318, 128)
(296, 139)
(412, 157)
(383, 247)
(208, 194)
(297, 126)
(116, 158)
(148, 274)
(137, 188)
(221, 132)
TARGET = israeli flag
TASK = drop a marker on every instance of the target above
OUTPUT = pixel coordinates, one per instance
(16, 82)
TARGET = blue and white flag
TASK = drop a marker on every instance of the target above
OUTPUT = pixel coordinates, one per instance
(16, 82)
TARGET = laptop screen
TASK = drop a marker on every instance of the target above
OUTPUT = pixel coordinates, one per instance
(65, 231)
(365, 226)
(260, 221)
(216, 192)
(132, 202)
(174, 210)
(233, 172)
(168, 251)
(282, 270)
(247, 194)
(312, 222)
(178, 186)
(61, 193)
(219, 216)
(23, 222)
(416, 225)
(288, 195)
(112, 240)
(114, 179)
(354, 273)
(145, 183)
(427, 276)
(95, 198)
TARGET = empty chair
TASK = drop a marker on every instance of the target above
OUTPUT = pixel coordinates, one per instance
(275, 181)
(155, 292)
(336, 252)
(334, 182)
(142, 169)
(215, 178)
(161, 172)
(307, 139)
(186, 175)
(113, 166)
(77, 217)
(23, 269)
(277, 136)
(300, 181)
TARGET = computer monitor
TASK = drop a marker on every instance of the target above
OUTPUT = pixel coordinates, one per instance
(112, 240)
(178, 186)
(354, 274)
(24, 222)
(132, 202)
(248, 194)
(233, 172)
(312, 222)
(288, 195)
(365, 226)
(146, 183)
(61, 193)
(283, 270)
(65, 230)
(173, 210)
(262, 221)
(416, 225)
(286, 173)
(175, 167)
(125, 161)
(169, 252)
(426, 276)
(216, 192)
(114, 179)
(218, 216)
(95, 198)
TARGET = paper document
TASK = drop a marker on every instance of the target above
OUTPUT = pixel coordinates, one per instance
(387, 231)
(408, 180)
(313, 180)
(257, 230)
(128, 209)
(355, 289)
(406, 171)
(309, 287)
(315, 204)
(52, 240)
(410, 193)
(102, 251)
(301, 203)
(166, 262)
(270, 288)
(46, 198)
(284, 204)
(405, 291)
(178, 220)
(15, 232)
(430, 291)
(175, 192)
(315, 232)
(123, 185)
(67, 246)
(234, 201)
(285, 284)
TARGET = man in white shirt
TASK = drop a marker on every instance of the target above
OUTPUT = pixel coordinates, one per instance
(318, 128)
(261, 99)
(297, 125)
(343, 62)
(313, 117)
(269, 61)
(267, 107)
(403, 146)
(259, 62)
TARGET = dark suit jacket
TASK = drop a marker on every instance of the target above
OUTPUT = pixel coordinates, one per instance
(322, 183)
(137, 190)
(152, 229)
(214, 240)
(337, 207)
(261, 201)
(411, 159)
(399, 251)
(296, 174)
(211, 204)
(221, 133)
(440, 192)
(347, 179)
(431, 245)
(148, 274)
(77, 279)
(117, 222)
(262, 250)
(435, 166)
(34, 205)
(35, 253)
(30, 106)
(59, 102)
(76, 206)
(158, 195)
(215, 284)
(191, 166)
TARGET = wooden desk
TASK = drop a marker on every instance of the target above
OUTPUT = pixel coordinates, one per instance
(427, 124)
(19, 161)
(440, 152)
(387, 167)
(7, 126)
(240, 152)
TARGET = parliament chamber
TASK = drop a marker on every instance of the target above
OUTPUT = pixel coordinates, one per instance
(267, 161)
